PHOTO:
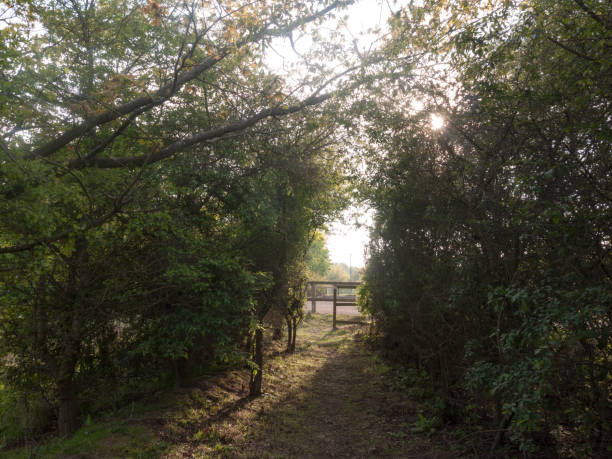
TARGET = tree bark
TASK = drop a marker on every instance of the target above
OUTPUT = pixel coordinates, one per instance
(290, 332)
(78, 284)
(257, 373)
(66, 414)
(293, 338)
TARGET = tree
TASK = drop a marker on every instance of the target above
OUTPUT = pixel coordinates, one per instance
(298, 188)
(93, 105)
(489, 262)
(339, 272)
(105, 106)
(317, 258)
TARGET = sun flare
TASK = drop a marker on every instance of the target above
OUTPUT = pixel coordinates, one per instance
(437, 122)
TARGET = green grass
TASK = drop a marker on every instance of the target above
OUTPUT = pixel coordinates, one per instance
(331, 377)
(96, 440)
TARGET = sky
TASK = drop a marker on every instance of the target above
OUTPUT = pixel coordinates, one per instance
(347, 243)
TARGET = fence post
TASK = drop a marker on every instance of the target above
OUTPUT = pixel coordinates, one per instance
(335, 290)
(313, 293)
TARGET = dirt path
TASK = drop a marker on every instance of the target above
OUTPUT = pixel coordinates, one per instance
(330, 399)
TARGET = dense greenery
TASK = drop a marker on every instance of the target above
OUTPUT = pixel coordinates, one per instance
(159, 190)
(342, 272)
(317, 258)
(163, 193)
(491, 254)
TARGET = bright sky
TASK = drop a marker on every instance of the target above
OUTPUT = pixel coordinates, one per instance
(347, 243)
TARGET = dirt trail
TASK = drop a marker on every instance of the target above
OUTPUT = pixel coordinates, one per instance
(330, 399)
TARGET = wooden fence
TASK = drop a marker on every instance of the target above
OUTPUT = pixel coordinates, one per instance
(341, 293)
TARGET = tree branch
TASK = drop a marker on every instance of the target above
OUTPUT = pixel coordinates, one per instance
(165, 92)
(569, 50)
(57, 236)
(159, 97)
(200, 137)
(592, 14)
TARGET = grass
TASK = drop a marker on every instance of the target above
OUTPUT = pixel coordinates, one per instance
(330, 398)
(97, 440)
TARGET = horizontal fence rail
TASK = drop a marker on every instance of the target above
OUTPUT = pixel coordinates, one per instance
(341, 293)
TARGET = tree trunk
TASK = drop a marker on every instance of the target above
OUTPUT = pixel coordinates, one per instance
(289, 334)
(78, 284)
(66, 395)
(293, 338)
(247, 346)
(176, 373)
(66, 415)
(256, 373)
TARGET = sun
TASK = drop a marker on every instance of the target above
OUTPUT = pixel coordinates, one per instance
(437, 122)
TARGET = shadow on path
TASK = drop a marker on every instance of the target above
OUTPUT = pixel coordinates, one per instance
(331, 398)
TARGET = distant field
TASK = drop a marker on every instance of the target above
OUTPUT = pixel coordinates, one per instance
(326, 307)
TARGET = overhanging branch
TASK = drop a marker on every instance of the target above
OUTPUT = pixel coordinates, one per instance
(165, 92)
(197, 138)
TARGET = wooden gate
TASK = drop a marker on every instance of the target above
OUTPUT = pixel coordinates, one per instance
(335, 292)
